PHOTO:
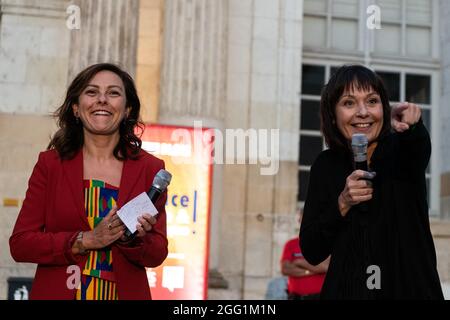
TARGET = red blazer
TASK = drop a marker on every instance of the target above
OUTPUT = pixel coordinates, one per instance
(53, 214)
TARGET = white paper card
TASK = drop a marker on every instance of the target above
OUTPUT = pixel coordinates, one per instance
(135, 208)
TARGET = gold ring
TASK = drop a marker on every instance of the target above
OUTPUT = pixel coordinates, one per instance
(109, 226)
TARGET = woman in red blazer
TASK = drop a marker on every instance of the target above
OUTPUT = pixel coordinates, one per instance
(68, 223)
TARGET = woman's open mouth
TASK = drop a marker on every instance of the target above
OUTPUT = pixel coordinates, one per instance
(362, 126)
(101, 113)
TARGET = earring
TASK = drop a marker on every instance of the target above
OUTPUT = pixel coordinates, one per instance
(77, 118)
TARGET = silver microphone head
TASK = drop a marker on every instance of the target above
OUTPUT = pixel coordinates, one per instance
(162, 179)
(359, 146)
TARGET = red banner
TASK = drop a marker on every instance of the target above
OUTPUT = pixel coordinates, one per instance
(187, 155)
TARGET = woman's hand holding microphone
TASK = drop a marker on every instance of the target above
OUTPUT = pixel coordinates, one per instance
(358, 188)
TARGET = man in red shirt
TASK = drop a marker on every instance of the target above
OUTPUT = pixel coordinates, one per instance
(304, 280)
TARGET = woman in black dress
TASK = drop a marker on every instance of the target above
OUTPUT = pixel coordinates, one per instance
(385, 250)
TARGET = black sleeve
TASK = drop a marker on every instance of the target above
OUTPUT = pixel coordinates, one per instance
(321, 217)
(414, 150)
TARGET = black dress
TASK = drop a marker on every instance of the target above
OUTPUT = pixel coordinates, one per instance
(393, 233)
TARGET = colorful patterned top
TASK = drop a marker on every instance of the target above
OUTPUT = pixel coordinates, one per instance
(97, 280)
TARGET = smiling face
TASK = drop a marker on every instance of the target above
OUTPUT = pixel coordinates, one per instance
(359, 111)
(102, 104)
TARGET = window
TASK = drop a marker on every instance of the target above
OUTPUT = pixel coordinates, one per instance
(309, 115)
(310, 147)
(331, 24)
(340, 26)
(417, 89)
(392, 83)
(316, 6)
(313, 78)
(311, 141)
(406, 28)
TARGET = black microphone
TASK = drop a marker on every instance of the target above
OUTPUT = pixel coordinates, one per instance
(159, 185)
(359, 147)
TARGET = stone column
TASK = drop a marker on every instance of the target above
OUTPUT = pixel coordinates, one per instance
(108, 33)
(263, 84)
(236, 64)
(193, 84)
(194, 61)
(34, 49)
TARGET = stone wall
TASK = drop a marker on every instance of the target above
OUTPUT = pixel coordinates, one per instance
(445, 196)
(441, 236)
(34, 52)
(444, 114)
(263, 81)
(22, 137)
(236, 65)
(149, 52)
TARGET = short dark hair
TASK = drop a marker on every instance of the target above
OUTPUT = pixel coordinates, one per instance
(349, 77)
(69, 138)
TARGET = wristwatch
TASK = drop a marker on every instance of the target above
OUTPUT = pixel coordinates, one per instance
(79, 241)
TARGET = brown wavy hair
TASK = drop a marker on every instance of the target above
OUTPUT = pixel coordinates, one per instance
(69, 138)
(345, 78)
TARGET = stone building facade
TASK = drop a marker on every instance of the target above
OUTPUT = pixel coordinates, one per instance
(228, 63)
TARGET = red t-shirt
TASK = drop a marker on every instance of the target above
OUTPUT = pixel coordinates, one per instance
(301, 285)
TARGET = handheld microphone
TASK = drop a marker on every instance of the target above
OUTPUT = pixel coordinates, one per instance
(359, 147)
(159, 185)
(160, 182)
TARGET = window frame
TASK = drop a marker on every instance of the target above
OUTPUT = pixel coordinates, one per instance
(366, 38)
